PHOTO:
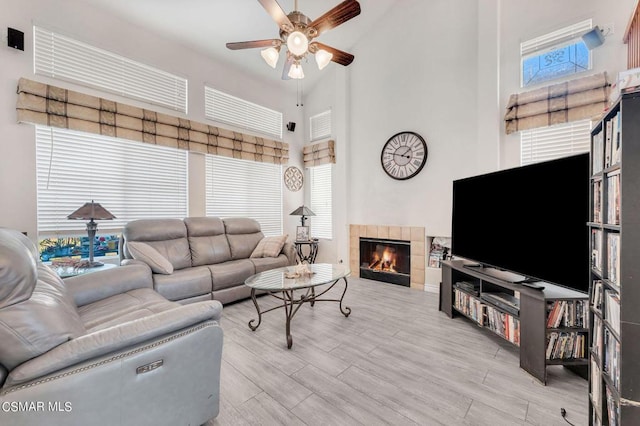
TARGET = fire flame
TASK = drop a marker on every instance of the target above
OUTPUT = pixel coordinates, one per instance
(386, 262)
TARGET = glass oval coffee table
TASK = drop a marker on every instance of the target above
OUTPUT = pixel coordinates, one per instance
(276, 284)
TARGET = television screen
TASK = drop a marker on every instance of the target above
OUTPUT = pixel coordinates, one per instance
(530, 220)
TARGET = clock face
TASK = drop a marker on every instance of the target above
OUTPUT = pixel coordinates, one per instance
(404, 155)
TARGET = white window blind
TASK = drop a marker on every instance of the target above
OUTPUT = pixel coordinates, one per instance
(225, 108)
(240, 188)
(64, 58)
(320, 126)
(548, 143)
(320, 183)
(132, 180)
(566, 35)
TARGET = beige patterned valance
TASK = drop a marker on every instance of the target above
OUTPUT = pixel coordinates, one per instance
(559, 103)
(319, 153)
(48, 105)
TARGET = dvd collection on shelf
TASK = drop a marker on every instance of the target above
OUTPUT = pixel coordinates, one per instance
(568, 313)
(568, 319)
(501, 323)
(614, 394)
(566, 345)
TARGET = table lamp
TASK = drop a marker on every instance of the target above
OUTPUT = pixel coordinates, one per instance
(91, 211)
(302, 211)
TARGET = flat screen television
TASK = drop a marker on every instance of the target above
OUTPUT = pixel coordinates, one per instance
(530, 220)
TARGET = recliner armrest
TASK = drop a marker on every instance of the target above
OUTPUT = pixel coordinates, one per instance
(103, 342)
(89, 288)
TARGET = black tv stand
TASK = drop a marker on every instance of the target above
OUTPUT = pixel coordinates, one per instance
(527, 319)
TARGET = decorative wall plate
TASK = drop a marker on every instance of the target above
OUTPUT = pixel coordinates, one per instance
(293, 178)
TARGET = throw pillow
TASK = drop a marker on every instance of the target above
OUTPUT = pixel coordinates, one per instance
(152, 257)
(269, 246)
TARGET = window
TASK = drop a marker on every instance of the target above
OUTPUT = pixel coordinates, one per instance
(132, 180)
(558, 54)
(320, 126)
(548, 143)
(320, 183)
(64, 58)
(241, 188)
(228, 109)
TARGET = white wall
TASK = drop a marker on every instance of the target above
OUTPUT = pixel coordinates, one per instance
(523, 20)
(78, 20)
(418, 72)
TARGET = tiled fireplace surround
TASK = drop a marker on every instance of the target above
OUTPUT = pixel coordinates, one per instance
(416, 235)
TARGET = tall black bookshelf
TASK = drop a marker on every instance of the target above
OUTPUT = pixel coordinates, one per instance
(614, 229)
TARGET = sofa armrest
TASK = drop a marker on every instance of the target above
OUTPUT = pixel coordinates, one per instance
(127, 335)
(89, 288)
(289, 250)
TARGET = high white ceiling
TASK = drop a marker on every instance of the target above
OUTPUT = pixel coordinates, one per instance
(206, 25)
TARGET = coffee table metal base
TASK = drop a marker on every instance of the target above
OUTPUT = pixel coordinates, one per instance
(291, 304)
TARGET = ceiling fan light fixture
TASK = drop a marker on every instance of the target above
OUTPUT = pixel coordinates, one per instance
(297, 43)
(323, 58)
(270, 56)
(296, 71)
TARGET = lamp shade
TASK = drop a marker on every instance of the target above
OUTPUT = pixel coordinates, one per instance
(323, 58)
(91, 211)
(302, 211)
(270, 56)
(296, 71)
(297, 43)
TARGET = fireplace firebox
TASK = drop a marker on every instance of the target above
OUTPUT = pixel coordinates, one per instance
(386, 260)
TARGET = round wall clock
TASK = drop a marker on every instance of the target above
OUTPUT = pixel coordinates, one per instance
(404, 155)
(293, 178)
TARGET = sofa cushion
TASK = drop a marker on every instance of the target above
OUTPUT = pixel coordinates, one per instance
(243, 235)
(167, 236)
(269, 246)
(147, 254)
(265, 263)
(184, 283)
(18, 269)
(122, 308)
(232, 273)
(207, 240)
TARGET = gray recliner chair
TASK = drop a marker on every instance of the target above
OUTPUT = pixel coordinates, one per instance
(103, 348)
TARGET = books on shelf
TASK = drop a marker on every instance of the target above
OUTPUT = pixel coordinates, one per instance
(596, 246)
(598, 153)
(607, 143)
(438, 251)
(562, 345)
(469, 305)
(613, 409)
(613, 258)
(597, 201)
(613, 198)
(568, 313)
(612, 358)
(503, 324)
(612, 310)
(596, 384)
(616, 139)
(597, 294)
(597, 336)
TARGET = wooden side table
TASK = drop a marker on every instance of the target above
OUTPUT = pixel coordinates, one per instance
(312, 251)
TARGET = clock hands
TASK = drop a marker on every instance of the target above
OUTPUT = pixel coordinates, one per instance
(404, 155)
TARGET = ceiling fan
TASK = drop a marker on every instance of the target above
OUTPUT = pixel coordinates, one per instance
(297, 32)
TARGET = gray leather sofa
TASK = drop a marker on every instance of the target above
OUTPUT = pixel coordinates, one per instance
(210, 256)
(103, 348)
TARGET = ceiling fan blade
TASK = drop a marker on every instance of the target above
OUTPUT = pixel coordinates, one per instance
(277, 14)
(339, 56)
(287, 66)
(253, 44)
(338, 15)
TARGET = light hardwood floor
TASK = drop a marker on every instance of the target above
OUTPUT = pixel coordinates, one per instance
(396, 360)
